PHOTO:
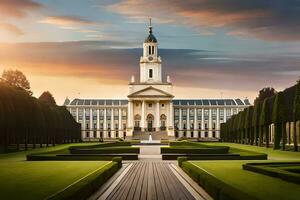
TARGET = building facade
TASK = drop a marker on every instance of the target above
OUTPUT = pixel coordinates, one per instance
(151, 107)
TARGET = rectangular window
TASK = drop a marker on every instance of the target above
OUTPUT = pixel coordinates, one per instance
(150, 73)
(149, 50)
(152, 50)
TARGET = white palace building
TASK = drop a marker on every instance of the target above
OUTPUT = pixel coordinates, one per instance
(152, 108)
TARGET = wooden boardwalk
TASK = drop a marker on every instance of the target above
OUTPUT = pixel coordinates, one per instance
(149, 180)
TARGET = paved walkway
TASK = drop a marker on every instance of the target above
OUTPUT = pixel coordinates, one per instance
(150, 178)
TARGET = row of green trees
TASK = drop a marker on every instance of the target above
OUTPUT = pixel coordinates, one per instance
(281, 112)
(26, 120)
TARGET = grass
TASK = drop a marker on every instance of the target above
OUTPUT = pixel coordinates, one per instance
(272, 154)
(258, 185)
(21, 179)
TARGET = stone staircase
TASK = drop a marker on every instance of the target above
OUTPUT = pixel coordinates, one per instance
(156, 135)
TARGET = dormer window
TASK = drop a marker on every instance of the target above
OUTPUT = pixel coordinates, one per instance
(150, 73)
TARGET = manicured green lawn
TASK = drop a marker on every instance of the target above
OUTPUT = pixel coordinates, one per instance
(272, 154)
(258, 185)
(21, 179)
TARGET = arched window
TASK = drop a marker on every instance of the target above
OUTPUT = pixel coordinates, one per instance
(149, 50)
(150, 73)
(152, 50)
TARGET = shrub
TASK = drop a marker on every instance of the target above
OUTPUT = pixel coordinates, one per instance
(180, 160)
(88, 185)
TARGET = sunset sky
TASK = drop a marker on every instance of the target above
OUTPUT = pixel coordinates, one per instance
(210, 48)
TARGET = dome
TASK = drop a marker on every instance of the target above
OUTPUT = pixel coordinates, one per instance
(150, 37)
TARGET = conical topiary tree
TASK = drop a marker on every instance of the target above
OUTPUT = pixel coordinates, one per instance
(255, 122)
(248, 125)
(264, 122)
(279, 119)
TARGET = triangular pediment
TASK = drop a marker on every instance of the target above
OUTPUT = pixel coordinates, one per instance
(151, 92)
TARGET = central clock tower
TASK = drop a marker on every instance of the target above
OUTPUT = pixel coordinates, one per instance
(150, 62)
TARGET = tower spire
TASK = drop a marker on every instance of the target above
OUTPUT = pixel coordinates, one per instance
(150, 25)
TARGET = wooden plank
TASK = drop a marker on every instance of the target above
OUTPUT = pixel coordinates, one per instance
(140, 186)
(172, 184)
(151, 190)
(135, 185)
(128, 185)
(158, 184)
(164, 183)
(145, 183)
(180, 186)
(122, 185)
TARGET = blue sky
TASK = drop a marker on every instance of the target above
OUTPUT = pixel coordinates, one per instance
(210, 47)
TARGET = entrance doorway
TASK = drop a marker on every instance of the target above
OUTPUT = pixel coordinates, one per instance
(137, 119)
(150, 119)
(163, 119)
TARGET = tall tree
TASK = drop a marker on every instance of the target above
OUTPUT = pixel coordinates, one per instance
(279, 119)
(248, 125)
(47, 98)
(16, 78)
(255, 121)
(296, 113)
(264, 122)
(263, 94)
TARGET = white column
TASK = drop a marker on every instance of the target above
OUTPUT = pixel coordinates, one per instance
(195, 122)
(83, 124)
(218, 123)
(120, 119)
(202, 123)
(129, 117)
(105, 124)
(225, 116)
(120, 123)
(77, 115)
(112, 123)
(143, 116)
(171, 119)
(91, 124)
(171, 115)
(180, 122)
(231, 110)
(210, 123)
(188, 122)
(157, 117)
(98, 123)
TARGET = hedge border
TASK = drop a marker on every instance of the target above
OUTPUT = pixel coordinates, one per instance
(105, 150)
(216, 188)
(83, 188)
(215, 150)
(78, 157)
(266, 169)
(100, 145)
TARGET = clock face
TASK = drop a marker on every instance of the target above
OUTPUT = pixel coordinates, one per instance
(150, 58)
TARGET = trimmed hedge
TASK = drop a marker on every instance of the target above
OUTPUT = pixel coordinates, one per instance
(88, 185)
(276, 171)
(202, 156)
(102, 145)
(85, 157)
(107, 150)
(216, 188)
(187, 150)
